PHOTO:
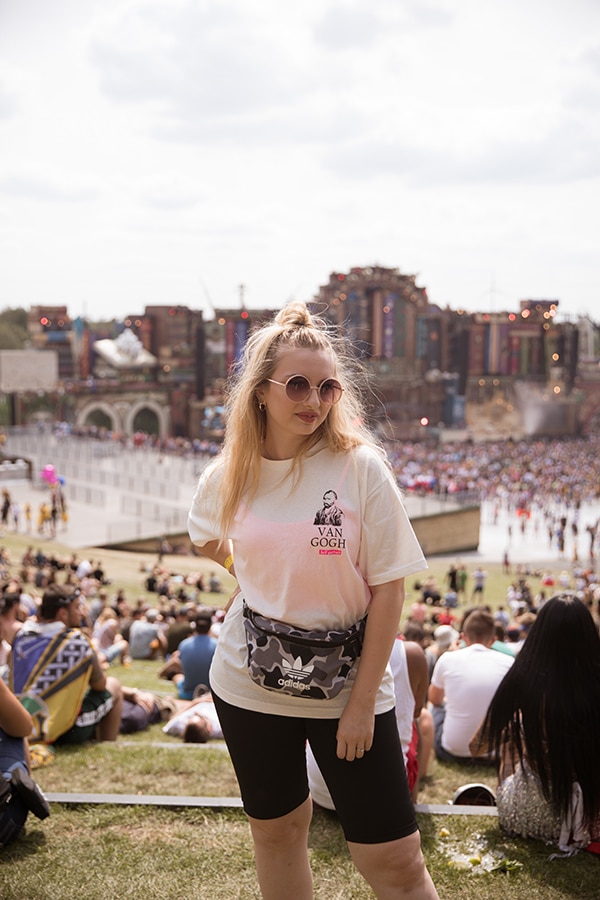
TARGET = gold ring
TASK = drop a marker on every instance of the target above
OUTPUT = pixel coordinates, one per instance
(360, 749)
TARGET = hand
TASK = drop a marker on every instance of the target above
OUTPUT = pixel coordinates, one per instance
(355, 733)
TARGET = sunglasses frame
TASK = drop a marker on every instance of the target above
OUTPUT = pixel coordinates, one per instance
(310, 388)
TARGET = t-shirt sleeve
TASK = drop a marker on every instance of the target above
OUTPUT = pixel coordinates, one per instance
(389, 546)
(202, 517)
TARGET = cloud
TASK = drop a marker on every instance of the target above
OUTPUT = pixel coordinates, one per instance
(50, 188)
(8, 104)
(169, 193)
(348, 27)
(197, 68)
(358, 27)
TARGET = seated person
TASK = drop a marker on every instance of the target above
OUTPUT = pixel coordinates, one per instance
(543, 725)
(57, 675)
(107, 639)
(195, 656)
(18, 792)
(179, 628)
(444, 637)
(146, 637)
(415, 725)
(197, 723)
(463, 683)
(214, 583)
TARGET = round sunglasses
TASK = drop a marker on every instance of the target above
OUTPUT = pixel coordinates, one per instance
(298, 389)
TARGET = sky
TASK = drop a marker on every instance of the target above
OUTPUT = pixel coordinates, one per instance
(213, 152)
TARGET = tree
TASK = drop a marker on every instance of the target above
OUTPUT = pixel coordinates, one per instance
(14, 333)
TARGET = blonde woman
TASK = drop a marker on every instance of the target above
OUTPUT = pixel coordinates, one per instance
(107, 638)
(303, 651)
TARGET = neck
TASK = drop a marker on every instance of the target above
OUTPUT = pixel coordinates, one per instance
(277, 450)
(286, 449)
(274, 454)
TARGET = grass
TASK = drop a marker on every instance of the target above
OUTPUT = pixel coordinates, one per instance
(97, 852)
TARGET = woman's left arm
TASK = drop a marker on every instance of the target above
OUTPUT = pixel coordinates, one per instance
(357, 722)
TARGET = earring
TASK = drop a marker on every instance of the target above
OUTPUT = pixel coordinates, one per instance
(262, 405)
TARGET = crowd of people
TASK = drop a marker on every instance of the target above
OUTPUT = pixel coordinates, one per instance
(59, 651)
(21, 518)
(453, 686)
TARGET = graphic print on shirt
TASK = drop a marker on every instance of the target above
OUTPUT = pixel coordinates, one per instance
(328, 520)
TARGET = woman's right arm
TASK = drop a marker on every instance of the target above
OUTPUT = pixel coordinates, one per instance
(221, 553)
(14, 718)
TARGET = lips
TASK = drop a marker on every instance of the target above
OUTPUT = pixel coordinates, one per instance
(307, 417)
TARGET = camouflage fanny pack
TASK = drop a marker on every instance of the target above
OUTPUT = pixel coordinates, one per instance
(292, 660)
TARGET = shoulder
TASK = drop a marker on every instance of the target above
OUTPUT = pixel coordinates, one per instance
(211, 477)
(371, 454)
(415, 654)
(372, 464)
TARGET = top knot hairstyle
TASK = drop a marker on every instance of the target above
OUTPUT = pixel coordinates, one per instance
(293, 328)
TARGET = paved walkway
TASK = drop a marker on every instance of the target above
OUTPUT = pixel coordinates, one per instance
(115, 494)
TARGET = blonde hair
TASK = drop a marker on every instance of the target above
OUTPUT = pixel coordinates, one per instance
(293, 328)
(106, 613)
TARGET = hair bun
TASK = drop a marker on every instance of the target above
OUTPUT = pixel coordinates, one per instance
(294, 314)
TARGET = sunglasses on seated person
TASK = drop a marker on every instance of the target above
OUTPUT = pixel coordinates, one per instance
(68, 599)
(298, 389)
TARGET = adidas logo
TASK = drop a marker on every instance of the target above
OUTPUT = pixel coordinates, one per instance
(296, 669)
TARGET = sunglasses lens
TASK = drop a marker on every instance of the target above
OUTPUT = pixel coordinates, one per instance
(297, 388)
(330, 391)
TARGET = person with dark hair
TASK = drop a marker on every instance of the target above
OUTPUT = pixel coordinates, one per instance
(144, 708)
(196, 722)
(195, 655)
(56, 673)
(11, 614)
(303, 652)
(179, 628)
(463, 682)
(543, 724)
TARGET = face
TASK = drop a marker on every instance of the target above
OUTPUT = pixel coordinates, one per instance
(288, 422)
(197, 719)
(74, 613)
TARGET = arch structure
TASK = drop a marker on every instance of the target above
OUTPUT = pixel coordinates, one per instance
(122, 412)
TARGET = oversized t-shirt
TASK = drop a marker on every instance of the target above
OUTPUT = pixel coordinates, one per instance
(307, 549)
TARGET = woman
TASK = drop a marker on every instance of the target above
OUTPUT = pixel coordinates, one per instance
(543, 722)
(11, 616)
(294, 435)
(19, 794)
(108, 640)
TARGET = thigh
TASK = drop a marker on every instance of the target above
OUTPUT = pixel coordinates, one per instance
(268, 755)
(12, 753)
(134, 718)
(371, 795)
(438, 714)
(96, 705)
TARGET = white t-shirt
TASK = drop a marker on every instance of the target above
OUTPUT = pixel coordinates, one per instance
(469, 678)
(176, 725)
(311, 575)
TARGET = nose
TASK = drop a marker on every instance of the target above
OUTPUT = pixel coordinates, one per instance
(314, 397)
